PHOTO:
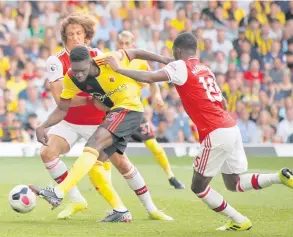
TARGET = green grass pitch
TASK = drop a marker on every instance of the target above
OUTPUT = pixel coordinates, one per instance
(270, 210)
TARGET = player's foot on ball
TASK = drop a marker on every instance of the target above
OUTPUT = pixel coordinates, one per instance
(48, 194)
(159, 215)
(71, 209)
(116, 216)
(233, 226)
(286, 176)
(176, 183)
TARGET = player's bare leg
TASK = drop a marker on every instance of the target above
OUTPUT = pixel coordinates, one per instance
(101, 139)
(216, 202)
(58, 170)
(136, 182)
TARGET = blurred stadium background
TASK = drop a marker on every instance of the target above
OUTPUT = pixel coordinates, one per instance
(248, 44)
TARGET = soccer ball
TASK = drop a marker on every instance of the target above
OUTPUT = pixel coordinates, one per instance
(22, 199)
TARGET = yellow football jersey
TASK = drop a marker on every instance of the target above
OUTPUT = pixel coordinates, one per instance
(112, 89)
(138, 64)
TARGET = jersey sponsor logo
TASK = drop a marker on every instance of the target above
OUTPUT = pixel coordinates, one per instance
(102, 98)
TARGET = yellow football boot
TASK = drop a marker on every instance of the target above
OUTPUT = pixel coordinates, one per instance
(159, 215)
(286, 176)
(233, 226)
(71, 209)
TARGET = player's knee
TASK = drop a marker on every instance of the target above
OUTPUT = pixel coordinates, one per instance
(197, 188)
(121, 163)
(48, 153)
(230, 186)
(124, 167)
(100, 140)
(230, 181)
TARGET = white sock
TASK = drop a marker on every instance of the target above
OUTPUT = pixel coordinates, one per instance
(216, 202)
(59, 172)
(256, 181)
(136, 183)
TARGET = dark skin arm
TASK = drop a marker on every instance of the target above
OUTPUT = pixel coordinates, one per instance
(56, 89)
(147, 55)
(141, 76)
(54, 118)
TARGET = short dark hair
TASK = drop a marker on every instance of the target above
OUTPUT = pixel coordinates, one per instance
(186, 40)
(79, 53)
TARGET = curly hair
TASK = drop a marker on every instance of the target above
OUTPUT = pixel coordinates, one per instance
(87, 22)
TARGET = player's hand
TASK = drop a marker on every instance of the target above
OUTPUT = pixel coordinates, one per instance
(159, 100)
(42, 136)
(112, 62)
(100, 105)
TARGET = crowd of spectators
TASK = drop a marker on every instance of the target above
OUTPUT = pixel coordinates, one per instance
(248, 45)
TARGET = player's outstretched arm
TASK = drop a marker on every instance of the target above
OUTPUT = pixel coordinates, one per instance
(147, 55)
(141, 76)
(55, 117)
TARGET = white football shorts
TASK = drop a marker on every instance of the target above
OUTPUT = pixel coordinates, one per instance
(222, 150)
(72, 132)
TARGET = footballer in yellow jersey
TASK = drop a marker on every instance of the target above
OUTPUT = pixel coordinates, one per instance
(145, 133)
